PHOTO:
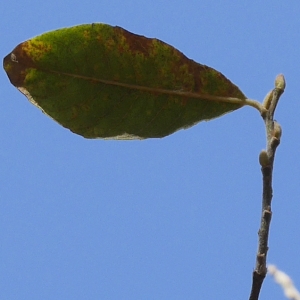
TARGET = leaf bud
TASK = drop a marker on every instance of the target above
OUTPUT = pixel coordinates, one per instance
(280, 82)
(277, 130)
(267, 101)
(264, 158)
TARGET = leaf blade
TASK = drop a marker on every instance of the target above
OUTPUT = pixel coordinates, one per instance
(105, 82)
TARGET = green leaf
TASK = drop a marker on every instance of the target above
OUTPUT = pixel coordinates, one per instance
(105, 82)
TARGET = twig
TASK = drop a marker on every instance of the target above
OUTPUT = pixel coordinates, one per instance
(266, 159)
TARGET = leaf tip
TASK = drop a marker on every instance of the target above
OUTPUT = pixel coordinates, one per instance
(15, 65)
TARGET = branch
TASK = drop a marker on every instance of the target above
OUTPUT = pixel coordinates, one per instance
(266, 159)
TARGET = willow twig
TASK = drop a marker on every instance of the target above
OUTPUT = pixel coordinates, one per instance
(266, 159)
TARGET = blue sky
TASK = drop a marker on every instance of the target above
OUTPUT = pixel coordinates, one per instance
(172, 218)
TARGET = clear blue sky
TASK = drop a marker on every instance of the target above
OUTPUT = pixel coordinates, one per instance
(172, 218)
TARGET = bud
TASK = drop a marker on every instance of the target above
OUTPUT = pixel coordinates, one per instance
(267, 101)
(280, 82)
(277, 130)
(264, 158)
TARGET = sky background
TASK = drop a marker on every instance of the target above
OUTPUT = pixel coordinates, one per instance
(171, 218)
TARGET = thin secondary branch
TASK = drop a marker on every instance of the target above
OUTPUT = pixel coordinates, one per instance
(266, 159)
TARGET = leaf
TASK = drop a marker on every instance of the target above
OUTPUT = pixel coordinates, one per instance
(105, 82)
